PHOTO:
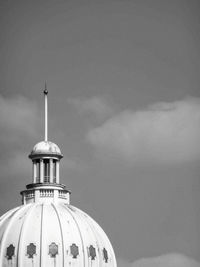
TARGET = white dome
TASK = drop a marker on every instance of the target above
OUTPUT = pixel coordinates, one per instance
(53, 234)
(45, 147)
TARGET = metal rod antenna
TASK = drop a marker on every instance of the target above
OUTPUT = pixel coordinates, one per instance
(46, 112)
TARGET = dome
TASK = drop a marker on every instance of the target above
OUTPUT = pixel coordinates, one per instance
(53, 234)
(45, 147)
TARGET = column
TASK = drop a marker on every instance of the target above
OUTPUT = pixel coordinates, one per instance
(41, 171)
(57, 172)
(51, 170)
(34, 171)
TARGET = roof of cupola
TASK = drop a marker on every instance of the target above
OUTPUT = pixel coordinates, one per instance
(45, 147)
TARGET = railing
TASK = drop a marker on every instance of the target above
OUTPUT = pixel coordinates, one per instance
(62, 194)
(35, 195)
(46, 179)
(30, 194)
(46, 193)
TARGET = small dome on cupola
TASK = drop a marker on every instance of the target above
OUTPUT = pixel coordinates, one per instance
(46, 230)
(45, 148)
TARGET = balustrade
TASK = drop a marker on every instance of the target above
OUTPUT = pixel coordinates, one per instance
(30, 194)
(62, 194)
(46, 193)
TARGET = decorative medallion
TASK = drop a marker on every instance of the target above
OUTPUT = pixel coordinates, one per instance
(31, 250)
(53, 250)
(105, 255)
(74, 250)
(10, 252)
(92, 252)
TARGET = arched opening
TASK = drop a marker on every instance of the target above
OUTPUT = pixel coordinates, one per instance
(46, 170)
(54, 171)
(37, 162)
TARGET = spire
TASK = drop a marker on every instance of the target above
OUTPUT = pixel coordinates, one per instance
(46, 112)
(45, 157)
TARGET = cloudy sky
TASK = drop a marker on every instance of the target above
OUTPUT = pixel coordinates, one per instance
(124, 105)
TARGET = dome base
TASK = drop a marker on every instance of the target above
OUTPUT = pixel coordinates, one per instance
(45, 193)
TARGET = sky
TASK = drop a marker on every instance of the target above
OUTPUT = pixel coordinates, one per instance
(124, 107)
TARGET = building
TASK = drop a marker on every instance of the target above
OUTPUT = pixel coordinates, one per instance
(46, 230)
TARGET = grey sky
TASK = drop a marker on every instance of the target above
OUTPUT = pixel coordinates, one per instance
(124, 107)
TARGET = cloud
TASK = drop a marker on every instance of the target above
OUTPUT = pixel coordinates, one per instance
(170, 260)
(123, 263)
(96, 105)
(168, 132)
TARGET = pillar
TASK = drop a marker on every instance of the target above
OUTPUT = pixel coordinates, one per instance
(57, 172)
(51, 170)
(34, 171)
(41, 171)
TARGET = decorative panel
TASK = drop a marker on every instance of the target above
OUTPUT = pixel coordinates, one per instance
(92, 252)
(31, 250)
(10, 252)
(53, 250)
(74, 250)
(105, 255)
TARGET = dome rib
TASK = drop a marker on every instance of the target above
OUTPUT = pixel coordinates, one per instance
(96, 237)
(21, 237)
(87, 224)
(105, 239)
(102, 238)
(78, 227)
(4, 218)
(7, 214)
(6, 231)
(41, 232)
(61, 233)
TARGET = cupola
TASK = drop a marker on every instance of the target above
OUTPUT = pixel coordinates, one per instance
(45, 157)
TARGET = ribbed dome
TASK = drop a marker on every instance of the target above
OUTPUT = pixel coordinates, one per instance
(45, 147)
(53, 234)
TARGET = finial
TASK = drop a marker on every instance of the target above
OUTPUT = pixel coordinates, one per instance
(45, 89)
(46, 112)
